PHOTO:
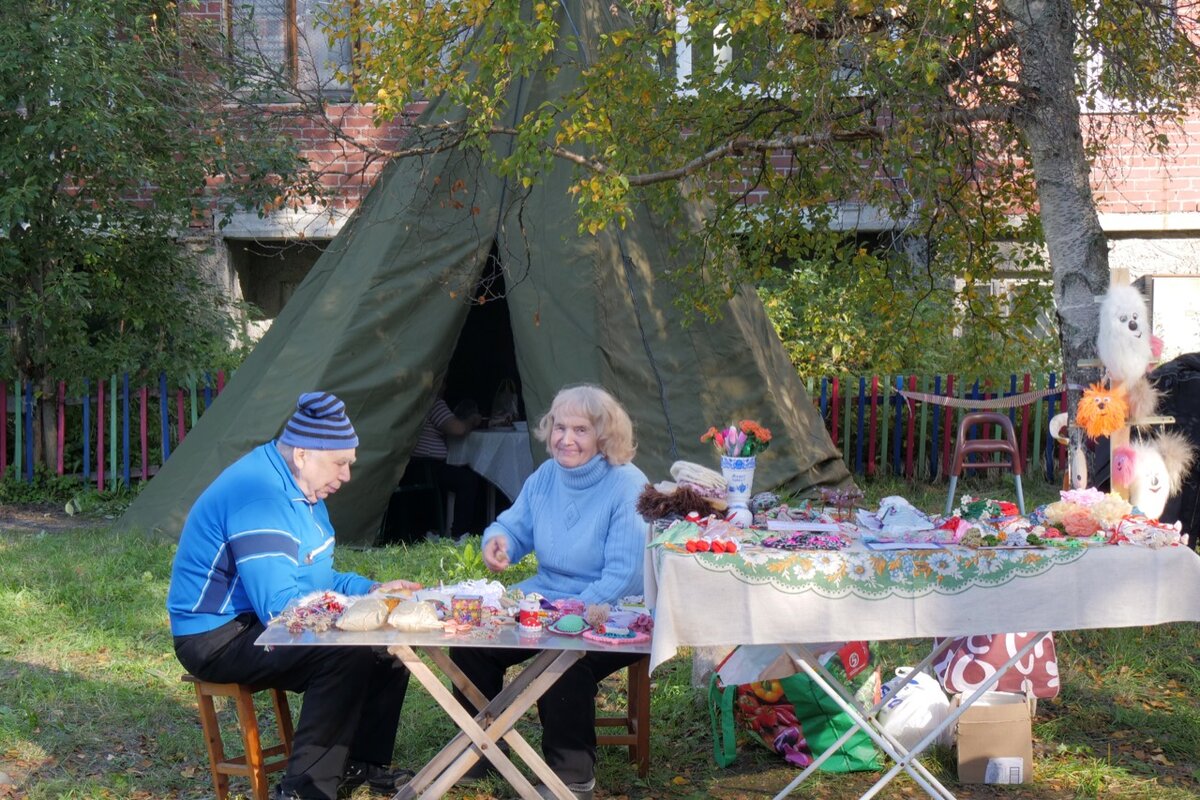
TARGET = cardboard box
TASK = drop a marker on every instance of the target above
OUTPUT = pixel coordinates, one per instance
(995, 739)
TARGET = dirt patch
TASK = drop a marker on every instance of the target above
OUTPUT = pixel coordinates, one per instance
(42, 517)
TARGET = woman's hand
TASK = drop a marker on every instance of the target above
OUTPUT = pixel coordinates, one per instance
(397, 587)
(495, 553)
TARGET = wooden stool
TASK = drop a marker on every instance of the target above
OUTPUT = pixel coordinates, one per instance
(256, 762)
(964, 447)
(636, 720)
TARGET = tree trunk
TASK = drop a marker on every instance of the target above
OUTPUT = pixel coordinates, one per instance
(1049, 117)
(45, 424)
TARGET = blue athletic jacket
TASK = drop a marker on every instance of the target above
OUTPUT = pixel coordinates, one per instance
(252, 542)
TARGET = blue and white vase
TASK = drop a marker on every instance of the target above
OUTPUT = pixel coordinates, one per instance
(739, 474)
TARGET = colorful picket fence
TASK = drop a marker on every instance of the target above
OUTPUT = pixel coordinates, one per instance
(97, 426)
(125, 433)
(881, 432)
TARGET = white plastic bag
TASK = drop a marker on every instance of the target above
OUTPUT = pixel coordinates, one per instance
(914, 710)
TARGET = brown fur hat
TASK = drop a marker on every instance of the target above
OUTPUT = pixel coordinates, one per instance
(653, 504)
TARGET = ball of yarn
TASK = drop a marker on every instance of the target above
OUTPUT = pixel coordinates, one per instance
(597, 615)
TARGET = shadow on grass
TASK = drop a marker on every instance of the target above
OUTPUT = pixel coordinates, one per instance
(69, 736)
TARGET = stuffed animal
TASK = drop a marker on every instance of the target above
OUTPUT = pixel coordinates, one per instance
(1152, 471)
(1102, 412)
(1124, 338)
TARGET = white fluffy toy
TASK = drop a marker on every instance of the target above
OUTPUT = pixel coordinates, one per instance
(1124, 339)
(1152, 471)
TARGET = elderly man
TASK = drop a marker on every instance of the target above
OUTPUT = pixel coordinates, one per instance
(257, 539)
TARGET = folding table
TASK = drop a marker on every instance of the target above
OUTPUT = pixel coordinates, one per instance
(495, 719)
(791, 598)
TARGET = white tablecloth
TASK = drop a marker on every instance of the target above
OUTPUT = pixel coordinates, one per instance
(501, 456)
(710, 600)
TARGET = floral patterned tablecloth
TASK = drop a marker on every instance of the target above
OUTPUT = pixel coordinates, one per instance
(875, 574)
(766, 596)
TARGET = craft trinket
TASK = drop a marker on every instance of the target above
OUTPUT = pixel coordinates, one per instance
(529, 614)
(467, 609)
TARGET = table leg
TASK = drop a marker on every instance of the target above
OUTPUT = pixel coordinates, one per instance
(483, 730)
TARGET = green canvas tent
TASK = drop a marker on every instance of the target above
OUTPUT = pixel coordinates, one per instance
(379, 317)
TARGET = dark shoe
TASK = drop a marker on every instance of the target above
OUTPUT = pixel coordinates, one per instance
(278, 793)
(582, 791)
(380, 778)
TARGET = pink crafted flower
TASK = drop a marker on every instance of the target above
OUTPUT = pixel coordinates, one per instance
(1084, 497)
(1080, 522)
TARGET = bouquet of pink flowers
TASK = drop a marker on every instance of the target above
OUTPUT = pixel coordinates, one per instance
(745, 439)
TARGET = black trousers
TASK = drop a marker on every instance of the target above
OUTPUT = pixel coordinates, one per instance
(567, 709)
(352, 697)
(463, 481)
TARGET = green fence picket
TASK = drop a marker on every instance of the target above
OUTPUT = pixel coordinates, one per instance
(885, 418)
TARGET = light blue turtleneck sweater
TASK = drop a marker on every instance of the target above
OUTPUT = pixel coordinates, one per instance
(584, 528)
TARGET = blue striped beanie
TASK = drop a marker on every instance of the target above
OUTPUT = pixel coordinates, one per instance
(320, 423)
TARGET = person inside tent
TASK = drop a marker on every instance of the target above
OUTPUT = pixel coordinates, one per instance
(429, 457)
(256, 540)
(576, 512)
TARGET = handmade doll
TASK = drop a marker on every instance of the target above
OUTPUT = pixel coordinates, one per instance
(1152, 471)
(1124, 338)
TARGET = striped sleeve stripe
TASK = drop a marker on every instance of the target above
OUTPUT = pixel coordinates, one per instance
(248, 544)
(218, 585)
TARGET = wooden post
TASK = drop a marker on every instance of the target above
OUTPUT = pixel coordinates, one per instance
(1118, 276)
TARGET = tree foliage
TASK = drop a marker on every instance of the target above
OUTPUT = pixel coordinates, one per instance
(112, 130)
(115, 135)
(792, 119)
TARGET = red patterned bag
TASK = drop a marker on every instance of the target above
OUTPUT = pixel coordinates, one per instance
(971, 660)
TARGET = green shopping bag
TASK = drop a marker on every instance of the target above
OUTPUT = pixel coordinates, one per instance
(720, 712)
(823, 722)
(819, 720)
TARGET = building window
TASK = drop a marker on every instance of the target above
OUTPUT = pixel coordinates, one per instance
(284, 39)
(741, 60)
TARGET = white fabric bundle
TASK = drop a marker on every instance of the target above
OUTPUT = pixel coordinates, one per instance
(414, 615)
(366, 614)
(698, 476)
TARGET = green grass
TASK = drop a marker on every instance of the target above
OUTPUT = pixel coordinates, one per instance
(91, 705)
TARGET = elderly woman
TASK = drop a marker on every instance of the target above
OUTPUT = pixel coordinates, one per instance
(576, 513)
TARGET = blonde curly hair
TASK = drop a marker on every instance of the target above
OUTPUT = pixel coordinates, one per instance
(614, 428)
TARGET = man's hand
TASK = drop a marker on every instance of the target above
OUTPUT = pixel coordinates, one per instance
(495, 553)
(397, 587)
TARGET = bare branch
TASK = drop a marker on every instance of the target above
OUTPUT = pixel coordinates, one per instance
(964, 67)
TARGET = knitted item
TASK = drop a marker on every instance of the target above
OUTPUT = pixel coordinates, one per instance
(584, 527)
(319, 423)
